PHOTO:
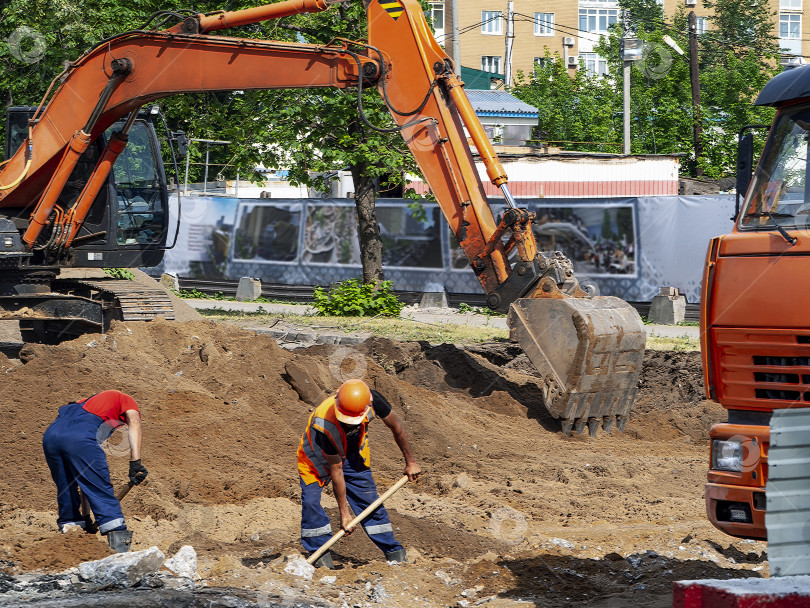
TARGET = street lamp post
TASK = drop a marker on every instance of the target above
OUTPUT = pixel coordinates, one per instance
(632, 49)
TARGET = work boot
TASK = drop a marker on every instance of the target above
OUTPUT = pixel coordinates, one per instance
(397, 556)
(119, 540)
(325, 561)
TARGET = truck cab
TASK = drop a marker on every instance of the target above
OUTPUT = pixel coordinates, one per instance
(755, 328)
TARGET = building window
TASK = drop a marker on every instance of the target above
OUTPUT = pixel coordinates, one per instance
(594, 64)
(544, 24)
(790, 37)
(543, 62)
(790, 26)
(791, 5)
(490, 63)
(436, 18)
(701, 25)
(491, 22)
(597, 20)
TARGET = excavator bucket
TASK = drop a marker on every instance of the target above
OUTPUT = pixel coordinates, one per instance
(589, 353)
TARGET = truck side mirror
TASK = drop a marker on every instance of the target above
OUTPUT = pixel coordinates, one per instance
(745, 163)
(745, 167)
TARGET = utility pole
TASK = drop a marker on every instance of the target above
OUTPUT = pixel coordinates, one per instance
(510, 41)
(694, 77)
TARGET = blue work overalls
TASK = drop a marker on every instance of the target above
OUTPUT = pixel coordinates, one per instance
(361, 491)
(72, 445)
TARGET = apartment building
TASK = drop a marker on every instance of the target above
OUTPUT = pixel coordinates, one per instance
(571, 29)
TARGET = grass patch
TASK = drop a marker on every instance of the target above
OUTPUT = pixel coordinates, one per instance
(403, 329)
(395, 329)
(193, 294)
(683, 343)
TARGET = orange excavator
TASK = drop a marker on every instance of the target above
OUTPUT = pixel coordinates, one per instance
(71, 197)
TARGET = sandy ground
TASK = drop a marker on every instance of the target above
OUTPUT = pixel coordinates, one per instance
(509, 510)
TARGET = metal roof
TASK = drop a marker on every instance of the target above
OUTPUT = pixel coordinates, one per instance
(500, 103)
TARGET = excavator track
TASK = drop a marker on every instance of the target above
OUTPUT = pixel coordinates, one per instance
(133, 302)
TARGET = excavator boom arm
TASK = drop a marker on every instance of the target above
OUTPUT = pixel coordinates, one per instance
(161, 65)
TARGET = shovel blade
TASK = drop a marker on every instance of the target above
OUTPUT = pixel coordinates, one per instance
(589, 353)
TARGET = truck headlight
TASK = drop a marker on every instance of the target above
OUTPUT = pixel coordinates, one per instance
(727, 455)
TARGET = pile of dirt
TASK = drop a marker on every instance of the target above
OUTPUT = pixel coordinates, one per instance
(51, 552)
(223, 412)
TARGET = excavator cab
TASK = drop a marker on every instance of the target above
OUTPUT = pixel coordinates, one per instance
(127, 225)
(140, 190)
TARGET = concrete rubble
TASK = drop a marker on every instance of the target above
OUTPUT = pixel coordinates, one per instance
(183, 563)
(298, 566)
(122, 569)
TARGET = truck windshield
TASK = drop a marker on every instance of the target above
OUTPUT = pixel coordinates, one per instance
(780, 191)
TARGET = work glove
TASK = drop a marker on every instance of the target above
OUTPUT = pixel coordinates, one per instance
(137, 472)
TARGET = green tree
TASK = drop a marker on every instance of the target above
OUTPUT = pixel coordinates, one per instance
(37, 37)
(660, 97)
(739, 28)
(316, 132)
(643, 15)
(739, 54)
(574, 110)
(729, 91)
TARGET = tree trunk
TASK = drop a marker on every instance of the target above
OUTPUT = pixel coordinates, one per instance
(368, 231)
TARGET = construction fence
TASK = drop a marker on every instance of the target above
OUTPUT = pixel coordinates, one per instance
(629, 246)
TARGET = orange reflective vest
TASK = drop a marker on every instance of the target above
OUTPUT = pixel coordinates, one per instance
(312, 465)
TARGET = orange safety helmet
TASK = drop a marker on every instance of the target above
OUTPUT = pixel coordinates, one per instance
(352, 401)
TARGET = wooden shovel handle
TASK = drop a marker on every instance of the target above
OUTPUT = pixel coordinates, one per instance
(366, 512)
(124, 491)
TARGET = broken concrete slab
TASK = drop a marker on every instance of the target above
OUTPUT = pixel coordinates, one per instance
(183, 563)
(304, 384)
(122, 569)
(434, 299)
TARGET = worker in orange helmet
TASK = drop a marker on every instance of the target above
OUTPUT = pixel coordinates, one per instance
(335, 447)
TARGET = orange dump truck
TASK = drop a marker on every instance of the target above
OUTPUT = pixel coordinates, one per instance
(755, 309)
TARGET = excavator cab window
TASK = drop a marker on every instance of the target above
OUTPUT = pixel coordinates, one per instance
(779, 195)
(140, 209)
(16, 127)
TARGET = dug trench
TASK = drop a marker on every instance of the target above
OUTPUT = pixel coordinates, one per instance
(508, 510)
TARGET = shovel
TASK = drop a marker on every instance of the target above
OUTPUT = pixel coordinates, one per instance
(84, 509)
(366, 512)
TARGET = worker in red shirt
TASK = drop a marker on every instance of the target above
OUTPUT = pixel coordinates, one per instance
(334, 447)
(72, 445)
